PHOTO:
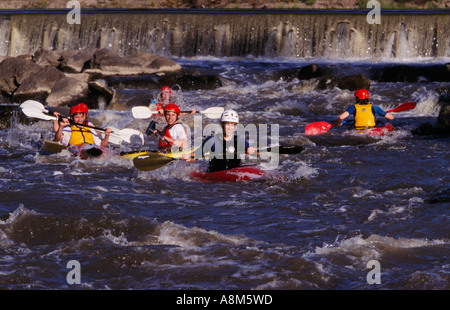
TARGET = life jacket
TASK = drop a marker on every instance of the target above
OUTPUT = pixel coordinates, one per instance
(364, 116)
(225, 161)
(163, 145)
(81, 135)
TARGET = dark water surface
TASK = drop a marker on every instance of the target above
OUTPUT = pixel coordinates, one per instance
(346, 200)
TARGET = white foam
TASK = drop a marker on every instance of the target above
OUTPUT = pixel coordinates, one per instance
(373, 247)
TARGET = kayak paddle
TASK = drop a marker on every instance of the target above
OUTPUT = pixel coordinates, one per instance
(404, 107)
(35, 109)
(322, 127)
(142, 112)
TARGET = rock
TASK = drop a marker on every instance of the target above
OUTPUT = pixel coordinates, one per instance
(82, 77)
(188, 81)
(442, 126)
(303, 73)
(100, 89)
(44, 57)
(354, 82)
(443, 122)
(310, 72)
(39, 85)
(425, 129)
(106, 63)
(68, 92)
(13, 71)
(3, 58)
(412, 74)
(78, 61)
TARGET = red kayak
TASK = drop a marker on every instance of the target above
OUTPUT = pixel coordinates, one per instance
(243, 173)
(378, 131)
(87, 150)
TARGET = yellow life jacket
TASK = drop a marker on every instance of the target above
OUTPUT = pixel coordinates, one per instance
(364, 116)
(81, 135)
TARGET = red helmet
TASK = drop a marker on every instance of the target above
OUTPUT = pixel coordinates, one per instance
(172, 107)
(362, 94)
(166, 89)
(79, 108)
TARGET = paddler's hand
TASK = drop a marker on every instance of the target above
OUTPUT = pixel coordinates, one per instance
(61, 121)
(107, 132)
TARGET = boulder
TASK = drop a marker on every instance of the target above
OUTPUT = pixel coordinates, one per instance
(443, 122)
(44, 57)
(106, 63)
(13, 71)
(78, 61)
(354, 82)
(68, 92)
(412, 73)
(3, 58)
(442, 126)
(303, 73)
(188, 81)
(39, 85)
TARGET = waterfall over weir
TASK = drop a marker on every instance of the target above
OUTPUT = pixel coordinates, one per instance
(274, 33)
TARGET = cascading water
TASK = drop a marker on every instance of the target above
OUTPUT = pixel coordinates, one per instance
(341, 34)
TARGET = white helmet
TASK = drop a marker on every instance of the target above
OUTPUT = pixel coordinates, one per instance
(230, 116)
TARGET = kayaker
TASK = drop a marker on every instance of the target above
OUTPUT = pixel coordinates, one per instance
(224, 146)
(164, 98)
(364, 112)
(174, 134)
(67, 132)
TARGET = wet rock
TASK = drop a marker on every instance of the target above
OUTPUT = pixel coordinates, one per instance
(3, 58)
(442, 125)
(105, 63)
(68, 92)
(443, 121)
(188, 81)
(354, 82)
(78, 61)
(100, 89)
(39, 85)
(13, 71)
(44, 57)
(412, 74)
(303, 73)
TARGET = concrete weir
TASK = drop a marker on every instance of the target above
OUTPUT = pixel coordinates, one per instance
(401, 34)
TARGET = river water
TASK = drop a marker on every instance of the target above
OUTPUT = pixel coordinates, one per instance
(346, 200)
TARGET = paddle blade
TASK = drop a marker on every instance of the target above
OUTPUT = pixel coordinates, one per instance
(142, 112)
(151, 161)
(213, 113)
(127, 134)
(404, 107)
(35, 109)
(317, 128)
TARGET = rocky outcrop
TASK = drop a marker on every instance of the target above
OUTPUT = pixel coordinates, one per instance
(13, 72)
(63, 78)
(38, 85)
(442, 125)
(412, 73)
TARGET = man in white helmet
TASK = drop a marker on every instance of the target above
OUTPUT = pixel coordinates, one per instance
(223, 147)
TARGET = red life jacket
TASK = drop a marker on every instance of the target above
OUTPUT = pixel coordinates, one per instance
(164, 145)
